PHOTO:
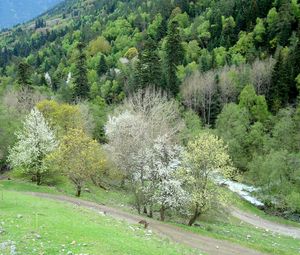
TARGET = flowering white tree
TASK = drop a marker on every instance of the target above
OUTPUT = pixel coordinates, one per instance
(127, 137)
(142, 118)
(162, 187)
(35, 141)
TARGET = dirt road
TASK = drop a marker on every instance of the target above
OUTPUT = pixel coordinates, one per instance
(265, 224)
(205, 244)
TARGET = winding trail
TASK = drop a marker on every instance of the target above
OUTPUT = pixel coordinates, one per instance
(207, 245)
(265, 224)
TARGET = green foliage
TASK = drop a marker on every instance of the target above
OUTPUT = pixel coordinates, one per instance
(149, 67)
(206, 156)
(24, 75)
(174, 56)
(255, 105)
(81, 86)
(10, 123)
(79, 157)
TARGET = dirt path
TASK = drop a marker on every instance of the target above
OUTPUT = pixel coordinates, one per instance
(266, 224)
(205, 244)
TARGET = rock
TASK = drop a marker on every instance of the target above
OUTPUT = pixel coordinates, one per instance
(19, 216)
(37, 236)
(73, 242)
(69, 253)
(87, 190)
(248, 236)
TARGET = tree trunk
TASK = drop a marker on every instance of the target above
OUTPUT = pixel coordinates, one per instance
(145, 210)
(162, 213)
(78, 192)
(150, 215)
(194, 217)
(38, 178)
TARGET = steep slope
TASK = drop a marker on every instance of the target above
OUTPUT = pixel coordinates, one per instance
(13, 12)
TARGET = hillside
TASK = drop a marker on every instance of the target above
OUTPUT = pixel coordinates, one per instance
(159, 99)
(14, 12)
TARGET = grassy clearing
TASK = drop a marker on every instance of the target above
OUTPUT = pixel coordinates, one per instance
(40, 226)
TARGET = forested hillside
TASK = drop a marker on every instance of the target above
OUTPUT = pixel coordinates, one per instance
(14, 12)
(228, 70)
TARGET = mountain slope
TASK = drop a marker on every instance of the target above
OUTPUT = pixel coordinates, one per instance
(13, 12)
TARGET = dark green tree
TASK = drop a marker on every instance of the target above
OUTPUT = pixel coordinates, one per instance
(174, 57)
(102, 67)
(24, 75)
(81, 86)
(149, 66)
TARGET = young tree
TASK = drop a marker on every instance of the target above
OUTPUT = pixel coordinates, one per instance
(79, 157)
(35, 142)
(206, 157)
(81, 86)
(174, 56)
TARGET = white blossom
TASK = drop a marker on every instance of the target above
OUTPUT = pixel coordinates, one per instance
(35, 141)
(48, 79)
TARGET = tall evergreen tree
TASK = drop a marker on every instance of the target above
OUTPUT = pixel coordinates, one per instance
(102, 67)
(81, 86)
(24, 75)
(149, 67)
(174, 56)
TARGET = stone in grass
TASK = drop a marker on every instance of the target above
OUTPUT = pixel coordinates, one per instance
(73, 242)
(19, 216)
(69, 253)
(37, 236)
(87, 190)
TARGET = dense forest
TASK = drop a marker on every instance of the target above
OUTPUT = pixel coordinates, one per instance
(223, 75)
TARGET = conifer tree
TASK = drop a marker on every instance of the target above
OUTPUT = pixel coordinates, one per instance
(174, 56)
(81, 86)
(102, 67)
(24, 75)
(149, 69)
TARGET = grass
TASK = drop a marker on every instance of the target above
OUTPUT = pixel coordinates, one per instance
(247, 235)
(112, 197)
(40, 226)
(217, 225)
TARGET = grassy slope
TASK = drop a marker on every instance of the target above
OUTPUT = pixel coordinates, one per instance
(247, 235)
(220, 226)
(48, 227)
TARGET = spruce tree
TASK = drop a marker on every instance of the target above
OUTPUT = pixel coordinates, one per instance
(81, 86)
(24, 75)
(174, 57)
(149, 67)
(102, 67)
